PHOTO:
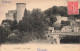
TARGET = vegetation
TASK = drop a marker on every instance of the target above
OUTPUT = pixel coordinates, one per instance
(33, 25)
(3, 34)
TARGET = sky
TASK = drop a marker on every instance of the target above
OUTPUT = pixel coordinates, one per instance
(30, 4)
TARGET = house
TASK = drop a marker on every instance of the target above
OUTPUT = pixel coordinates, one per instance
(66, 29)
(57, 31)
(75, 25)
(76, 29)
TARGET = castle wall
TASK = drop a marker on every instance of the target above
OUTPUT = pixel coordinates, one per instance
(11, 15)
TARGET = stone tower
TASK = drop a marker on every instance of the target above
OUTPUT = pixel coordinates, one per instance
(20, 10)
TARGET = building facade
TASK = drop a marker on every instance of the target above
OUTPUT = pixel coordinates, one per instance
(11, 15)
(16, 14)
(66, 29)
(20, 10)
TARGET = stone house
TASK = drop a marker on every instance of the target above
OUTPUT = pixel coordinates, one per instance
(66, 29)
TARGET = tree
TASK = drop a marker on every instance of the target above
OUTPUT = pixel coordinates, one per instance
(14, 26)
(34, 23)
(53, 19)
(62, 10)
(8, 21)
(3, 34)
(26, 14)
(65, 23)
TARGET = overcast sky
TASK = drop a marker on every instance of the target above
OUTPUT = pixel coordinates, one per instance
(30, 4)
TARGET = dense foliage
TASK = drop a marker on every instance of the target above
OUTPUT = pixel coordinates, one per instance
(3, 34)
(33, 23)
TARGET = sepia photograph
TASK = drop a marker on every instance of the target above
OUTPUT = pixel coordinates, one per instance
(39, 25)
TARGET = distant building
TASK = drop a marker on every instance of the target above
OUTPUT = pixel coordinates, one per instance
(16, 14)
(77, 20)
(75, 26)
(76, 29)
(57, 31)
(66, 29)
(73, 23)
(20, 10)
(11, 15)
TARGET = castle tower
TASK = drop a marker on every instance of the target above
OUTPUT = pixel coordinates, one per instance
(11, 15)
(20, 10)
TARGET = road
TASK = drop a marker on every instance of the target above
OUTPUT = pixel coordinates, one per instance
(35, 46)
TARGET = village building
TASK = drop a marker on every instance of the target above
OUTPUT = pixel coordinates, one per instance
(76, 29)
(57, 31)
(75, 26)
(66, 29)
